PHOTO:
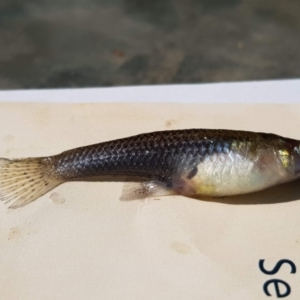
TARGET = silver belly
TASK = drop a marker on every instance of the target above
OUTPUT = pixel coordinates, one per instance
(232, 173)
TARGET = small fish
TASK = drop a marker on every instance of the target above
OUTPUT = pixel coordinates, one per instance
(194, 162)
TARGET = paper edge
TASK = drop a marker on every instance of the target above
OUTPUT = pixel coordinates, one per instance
(270, 91)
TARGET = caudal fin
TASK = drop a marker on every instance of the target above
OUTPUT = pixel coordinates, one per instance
(24, 180)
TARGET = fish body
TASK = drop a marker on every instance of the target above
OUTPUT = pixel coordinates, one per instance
(194, 162)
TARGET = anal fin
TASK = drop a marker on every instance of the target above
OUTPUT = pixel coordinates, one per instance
(143, 190)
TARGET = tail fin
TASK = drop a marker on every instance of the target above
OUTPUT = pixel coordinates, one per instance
(24, 180)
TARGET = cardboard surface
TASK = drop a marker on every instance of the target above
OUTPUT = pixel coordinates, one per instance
(80, 242)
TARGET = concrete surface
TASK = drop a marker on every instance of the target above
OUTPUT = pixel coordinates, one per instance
(80, 43)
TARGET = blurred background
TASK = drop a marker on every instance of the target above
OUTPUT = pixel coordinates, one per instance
(89, 43)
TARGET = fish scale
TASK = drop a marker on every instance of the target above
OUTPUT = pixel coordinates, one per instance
(190, 162)
(126, 155)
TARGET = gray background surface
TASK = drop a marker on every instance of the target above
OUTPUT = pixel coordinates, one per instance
(88, 43)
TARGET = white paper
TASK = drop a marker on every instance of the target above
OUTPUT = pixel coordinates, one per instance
(83, 243)
(276, 91)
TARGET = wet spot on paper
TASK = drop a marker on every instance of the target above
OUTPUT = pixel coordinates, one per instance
(180, 247)
(57, 198)
(14, 233)
(170, 123)
(8, 138)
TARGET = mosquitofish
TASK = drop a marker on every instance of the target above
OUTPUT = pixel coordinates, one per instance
(194, 162)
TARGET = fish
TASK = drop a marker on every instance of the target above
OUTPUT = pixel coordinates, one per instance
(188, 162)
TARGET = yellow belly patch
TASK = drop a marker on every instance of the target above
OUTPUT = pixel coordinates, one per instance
(284, 158)
(204, 189)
